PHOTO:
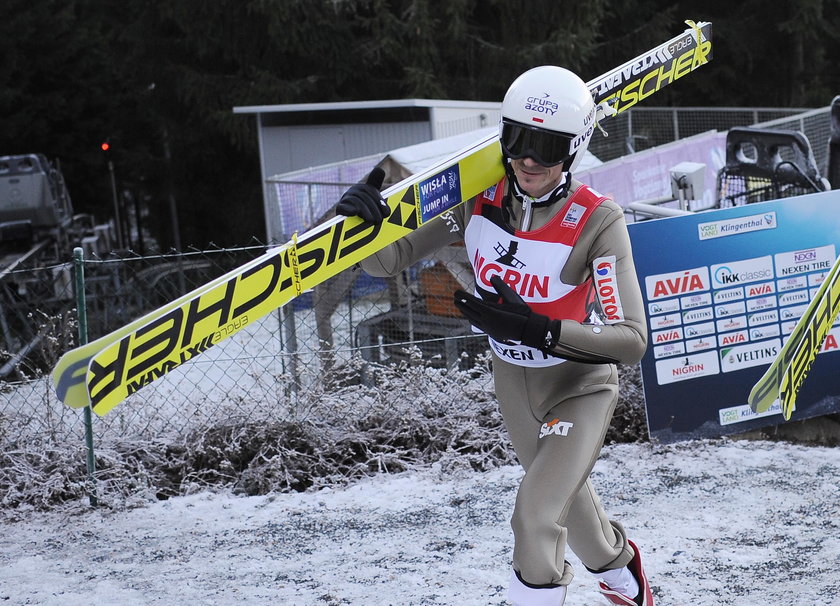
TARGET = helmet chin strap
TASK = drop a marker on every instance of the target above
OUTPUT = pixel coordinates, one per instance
(529, 202)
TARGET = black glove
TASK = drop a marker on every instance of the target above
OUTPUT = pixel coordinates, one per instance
(509, 319)
(364, 200)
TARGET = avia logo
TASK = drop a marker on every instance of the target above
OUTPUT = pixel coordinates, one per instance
(688, 282)
(677, 283)
(761, 289)
(555, 427)
(732, 339)
(667, 335)
(508, 255)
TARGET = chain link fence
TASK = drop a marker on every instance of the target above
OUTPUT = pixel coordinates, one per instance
(642, 128)
(276, 368)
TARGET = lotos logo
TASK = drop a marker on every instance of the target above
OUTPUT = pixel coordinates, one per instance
(603, 269)
(606, 288)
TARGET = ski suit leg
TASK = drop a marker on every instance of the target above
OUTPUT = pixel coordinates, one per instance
(570, 405)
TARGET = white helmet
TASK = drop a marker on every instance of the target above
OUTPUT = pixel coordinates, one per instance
(548, 114)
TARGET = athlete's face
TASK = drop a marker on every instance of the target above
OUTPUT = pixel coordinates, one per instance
(534, 179)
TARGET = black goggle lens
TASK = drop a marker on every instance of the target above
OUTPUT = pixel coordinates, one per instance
(545, 148)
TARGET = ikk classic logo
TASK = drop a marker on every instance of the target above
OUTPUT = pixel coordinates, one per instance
(726, 275)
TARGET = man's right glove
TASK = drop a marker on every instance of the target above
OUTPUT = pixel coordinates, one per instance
(364, 200)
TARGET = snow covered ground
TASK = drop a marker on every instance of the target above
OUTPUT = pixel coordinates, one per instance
(718, 522)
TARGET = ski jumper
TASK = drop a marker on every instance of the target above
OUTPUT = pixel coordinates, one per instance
(574, 264)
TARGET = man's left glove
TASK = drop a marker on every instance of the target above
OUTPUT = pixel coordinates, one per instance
(364, 199)
(509, 319)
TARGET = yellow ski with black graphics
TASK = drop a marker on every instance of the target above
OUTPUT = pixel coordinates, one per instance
(786, 374)
(106, 371)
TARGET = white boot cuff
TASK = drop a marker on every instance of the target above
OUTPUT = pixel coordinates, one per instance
(521, 594)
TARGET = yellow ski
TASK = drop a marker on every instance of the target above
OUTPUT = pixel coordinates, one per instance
(122, 362)
(786, 374)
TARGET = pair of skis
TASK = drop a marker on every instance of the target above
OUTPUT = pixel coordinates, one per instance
(784, 377)
(106, 371)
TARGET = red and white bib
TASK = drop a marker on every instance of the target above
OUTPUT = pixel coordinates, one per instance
(530, 262)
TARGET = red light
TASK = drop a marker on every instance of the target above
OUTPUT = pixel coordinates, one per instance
(105, 146)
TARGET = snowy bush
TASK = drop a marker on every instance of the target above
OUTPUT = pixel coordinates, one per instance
(365, 420)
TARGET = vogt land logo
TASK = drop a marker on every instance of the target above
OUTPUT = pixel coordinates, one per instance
(733, 227)
(739, 414)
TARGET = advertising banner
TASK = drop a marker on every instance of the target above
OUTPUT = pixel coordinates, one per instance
(645, 175)
(723, 289)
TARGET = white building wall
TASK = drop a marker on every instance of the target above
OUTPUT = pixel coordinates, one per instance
(289, 148)
(451, 121)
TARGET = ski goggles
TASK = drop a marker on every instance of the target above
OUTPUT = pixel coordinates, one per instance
(544, 147)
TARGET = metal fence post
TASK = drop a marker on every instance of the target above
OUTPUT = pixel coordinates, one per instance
(81, 306)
